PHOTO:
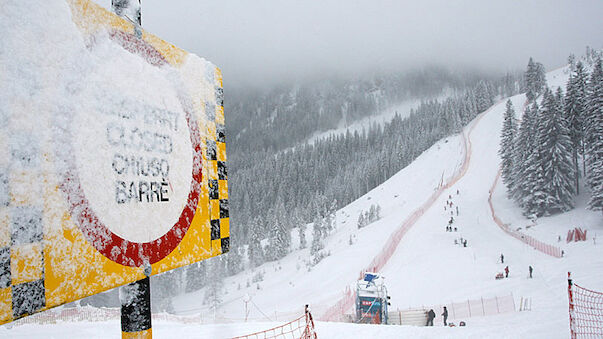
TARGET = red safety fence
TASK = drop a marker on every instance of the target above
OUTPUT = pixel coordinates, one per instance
(585, 311)
(545, 248)
(577, 234)
(337, 311)
(300, 328)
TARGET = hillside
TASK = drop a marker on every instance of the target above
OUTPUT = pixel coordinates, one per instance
(427, 268)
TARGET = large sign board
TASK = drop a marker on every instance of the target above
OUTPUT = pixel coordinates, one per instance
(132, 177)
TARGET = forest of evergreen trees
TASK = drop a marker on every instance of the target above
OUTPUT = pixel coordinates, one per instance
(541, 156)
(278, 192)
(275, 188)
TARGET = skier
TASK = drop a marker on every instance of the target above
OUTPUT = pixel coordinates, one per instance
(530, 269)
(445, 315)
(502, 258)
(457, 192)
(465, 243)
(506, 271)
(457, 211)
(430, 316)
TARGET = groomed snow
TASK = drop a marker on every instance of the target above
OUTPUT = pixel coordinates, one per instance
(427, 268)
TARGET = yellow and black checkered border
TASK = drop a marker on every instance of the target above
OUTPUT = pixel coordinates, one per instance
(217, 176)
(22, 290)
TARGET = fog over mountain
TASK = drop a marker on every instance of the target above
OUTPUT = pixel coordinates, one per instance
(269, 41)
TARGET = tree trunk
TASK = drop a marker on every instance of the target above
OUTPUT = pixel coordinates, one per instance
(577, 170)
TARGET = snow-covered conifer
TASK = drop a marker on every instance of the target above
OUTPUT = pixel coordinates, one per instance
(535, 80)
(523, 148)
(593, 138)
(575, 106)
(507, 145)
(255, 251)
(555, 155)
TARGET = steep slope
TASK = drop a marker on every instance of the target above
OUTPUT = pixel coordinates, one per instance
(427, 268)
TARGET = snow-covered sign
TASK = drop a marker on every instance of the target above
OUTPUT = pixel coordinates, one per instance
(113, 157)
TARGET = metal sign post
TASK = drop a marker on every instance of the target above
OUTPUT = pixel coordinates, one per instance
(135, 301)
(135, 298)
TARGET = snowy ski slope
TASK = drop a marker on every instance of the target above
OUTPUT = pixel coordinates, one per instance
(427, 268)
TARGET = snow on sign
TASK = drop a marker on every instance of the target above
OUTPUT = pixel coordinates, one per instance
(112, 156)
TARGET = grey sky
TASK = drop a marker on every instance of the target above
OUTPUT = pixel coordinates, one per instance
(268, 40)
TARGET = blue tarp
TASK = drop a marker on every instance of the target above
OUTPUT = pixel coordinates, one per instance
(369, 277)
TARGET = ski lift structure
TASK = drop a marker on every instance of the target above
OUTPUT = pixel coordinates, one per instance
(372, 299)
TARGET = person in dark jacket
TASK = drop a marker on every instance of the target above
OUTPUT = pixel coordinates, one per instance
(507, 272)
(430, 316)
(445, 315)
(531, 269)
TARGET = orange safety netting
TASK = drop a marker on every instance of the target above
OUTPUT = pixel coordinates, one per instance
(300, 328)
(543, 247)
(585, 311)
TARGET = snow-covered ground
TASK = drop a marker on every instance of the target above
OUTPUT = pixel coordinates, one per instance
(427, 268)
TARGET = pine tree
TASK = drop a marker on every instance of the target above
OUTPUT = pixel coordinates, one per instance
(195, 276)
(555, 144)
(302, 236)
(507, 146)
(524, 146)
(317, 234)
(361, 222)
(214, 290)
(483, 97)
(575, 106)
(535, 80)
(255, 251)
(593, 137)
(234, 261)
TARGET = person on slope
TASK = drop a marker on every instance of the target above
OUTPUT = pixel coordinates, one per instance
(502, 258)
(430, 317)
(506, 271)
(530, 269)
(445, 315)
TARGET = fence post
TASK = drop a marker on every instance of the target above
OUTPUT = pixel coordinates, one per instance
(469, 305)
(512, 298)
(483, 309)
(571, 305)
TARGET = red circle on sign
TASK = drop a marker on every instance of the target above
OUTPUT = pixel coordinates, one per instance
(109, 244)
